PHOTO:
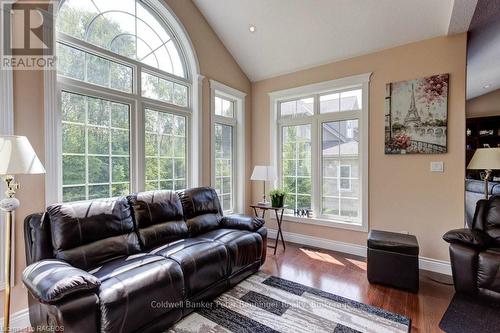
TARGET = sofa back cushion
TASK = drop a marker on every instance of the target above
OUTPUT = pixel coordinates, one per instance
(202, 209)
(492, 219)
(87, 234)
(159, 218)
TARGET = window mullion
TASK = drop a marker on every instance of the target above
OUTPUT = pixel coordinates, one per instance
(315, 160)
(86, 149)
(225, 120)
(110, 156)
(138, 138)
(234, 138)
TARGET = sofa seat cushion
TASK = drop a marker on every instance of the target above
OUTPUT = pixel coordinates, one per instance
(488, 271)
(244, 247)
(203, 262)
(137, 290)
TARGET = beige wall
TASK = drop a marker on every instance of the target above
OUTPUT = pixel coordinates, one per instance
(484, 106)
(215, 63)
(403, 194)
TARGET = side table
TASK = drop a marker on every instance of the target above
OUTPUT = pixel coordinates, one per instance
(278, 211)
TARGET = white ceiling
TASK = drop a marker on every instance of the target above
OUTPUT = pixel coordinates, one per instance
(483, 50)
(298, 34)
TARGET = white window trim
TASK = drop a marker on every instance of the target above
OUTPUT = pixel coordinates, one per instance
(361, 80)
(6, 128)
(340, 178)
(52, 121)
(238, 123)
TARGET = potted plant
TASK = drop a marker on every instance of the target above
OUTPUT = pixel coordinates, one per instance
(278, 197)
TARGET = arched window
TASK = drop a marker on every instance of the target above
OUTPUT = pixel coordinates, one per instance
(126, 100)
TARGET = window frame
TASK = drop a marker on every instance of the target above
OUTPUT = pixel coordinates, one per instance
(55, 84)
(232, 125)
(237, 122)
(6, 128)
(299, 121)
(71, 89)
(342, 189)
(316, 120)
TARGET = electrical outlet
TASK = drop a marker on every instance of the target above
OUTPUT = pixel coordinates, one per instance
(437, 166)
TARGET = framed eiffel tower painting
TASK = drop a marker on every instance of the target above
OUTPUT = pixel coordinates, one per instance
(416, 116)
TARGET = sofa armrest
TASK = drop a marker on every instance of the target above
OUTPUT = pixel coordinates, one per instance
(468, 237)
(242, 222)
(51, 280)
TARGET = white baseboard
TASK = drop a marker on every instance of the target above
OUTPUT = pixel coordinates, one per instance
(18, 321)
(428, 264)
(435, 265)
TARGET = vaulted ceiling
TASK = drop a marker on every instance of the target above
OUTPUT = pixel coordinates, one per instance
(483, 49)
(296, 34)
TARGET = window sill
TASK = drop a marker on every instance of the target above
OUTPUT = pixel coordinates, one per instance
(337, 224)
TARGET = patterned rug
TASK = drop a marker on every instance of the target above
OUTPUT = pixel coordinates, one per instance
(264, 303)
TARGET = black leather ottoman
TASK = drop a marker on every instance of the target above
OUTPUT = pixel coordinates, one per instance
(393, 259)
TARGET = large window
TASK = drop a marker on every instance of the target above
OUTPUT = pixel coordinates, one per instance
(321, 153)
(125, 100)
(95, 147)
(165, 151)
(224, 169)
(340, 165)
(296, 165)
(228, 165)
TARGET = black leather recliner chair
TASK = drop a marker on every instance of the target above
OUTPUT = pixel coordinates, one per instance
(475, 252)
(135, 264)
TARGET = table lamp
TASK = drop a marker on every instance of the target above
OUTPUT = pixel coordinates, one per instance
(486, 159)
(17, 157)
(264, 173)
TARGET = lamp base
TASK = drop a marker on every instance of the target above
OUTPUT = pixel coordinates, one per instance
(264, 203)
(7, 272)
(486, 177)
(9, 204)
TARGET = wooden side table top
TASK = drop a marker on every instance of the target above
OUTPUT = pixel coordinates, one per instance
(266, 207)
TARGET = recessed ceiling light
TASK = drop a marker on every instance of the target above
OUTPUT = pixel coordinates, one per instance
(486, 86)
(252, 28)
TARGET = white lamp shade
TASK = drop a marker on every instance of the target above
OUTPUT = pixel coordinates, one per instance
(17, 157)
(263, 172)
(485, 159)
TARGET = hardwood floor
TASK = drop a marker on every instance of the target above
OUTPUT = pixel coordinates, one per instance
(345, 275)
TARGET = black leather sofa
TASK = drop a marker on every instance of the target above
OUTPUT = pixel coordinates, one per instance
(135, 264)
(475, 252)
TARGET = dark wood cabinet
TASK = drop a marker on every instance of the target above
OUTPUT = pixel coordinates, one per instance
(481, 132)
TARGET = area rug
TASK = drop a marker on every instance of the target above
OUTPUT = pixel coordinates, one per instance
(472, 315)
(264, 303)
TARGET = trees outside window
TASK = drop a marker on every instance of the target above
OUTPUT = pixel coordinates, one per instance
(124, 100)
(95, 147)
(296, 166)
